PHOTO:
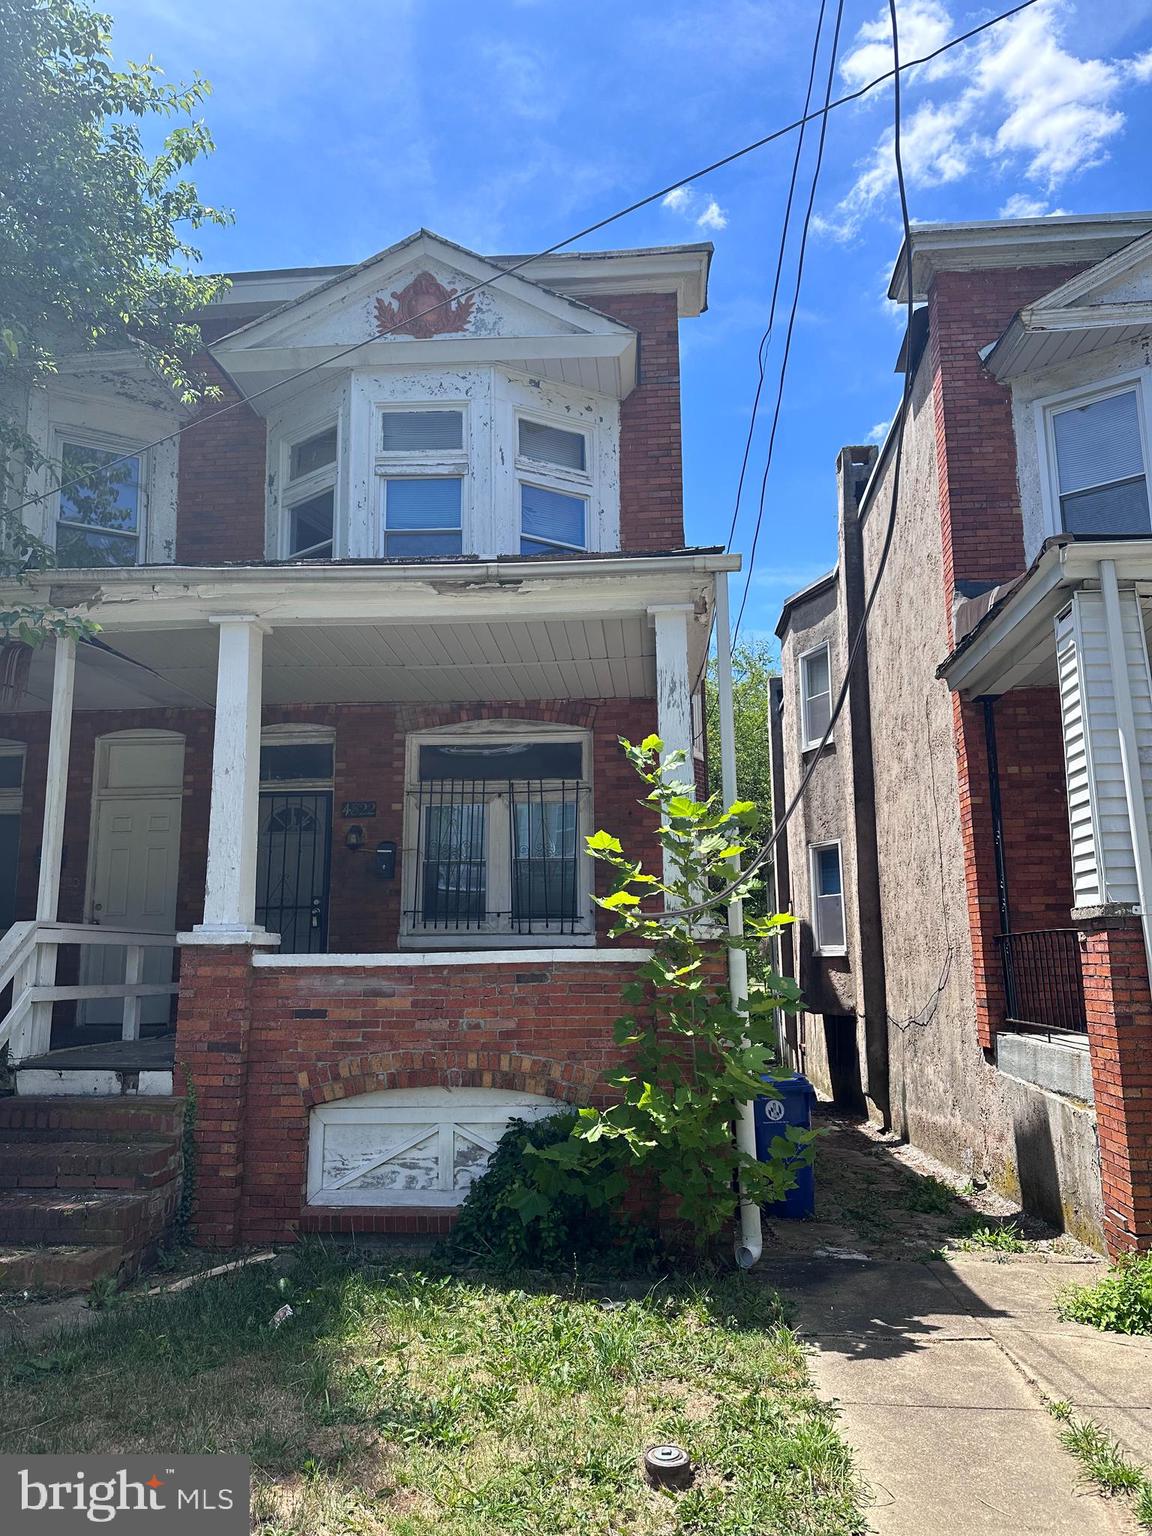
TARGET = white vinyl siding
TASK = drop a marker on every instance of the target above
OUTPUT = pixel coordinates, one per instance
(1103, 859)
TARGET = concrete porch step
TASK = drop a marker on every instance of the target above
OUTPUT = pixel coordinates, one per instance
(115, 1165)
(130, 1219)
(91, 1119)
(75, 1267)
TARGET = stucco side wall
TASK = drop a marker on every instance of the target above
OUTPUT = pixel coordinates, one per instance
(946, 1097)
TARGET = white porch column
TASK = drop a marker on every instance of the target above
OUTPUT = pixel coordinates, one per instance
(674, 695)
(56, 788)
(230, 885)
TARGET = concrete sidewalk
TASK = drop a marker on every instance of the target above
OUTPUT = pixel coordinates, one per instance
(940, 1372)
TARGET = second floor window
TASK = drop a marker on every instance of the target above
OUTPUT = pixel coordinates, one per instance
(555, 484)
(100, 516)
(422, 464)
(310, 498)
(1101, 466)
(815, 695)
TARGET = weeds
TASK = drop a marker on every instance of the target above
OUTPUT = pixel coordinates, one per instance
(930, 1195)
(1000, 1239)
(1104, 1463)
(1121, 1302)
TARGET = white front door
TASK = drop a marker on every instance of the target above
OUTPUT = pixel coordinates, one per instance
(134, 862)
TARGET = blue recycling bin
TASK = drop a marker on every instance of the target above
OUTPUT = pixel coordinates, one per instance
(793, 1107)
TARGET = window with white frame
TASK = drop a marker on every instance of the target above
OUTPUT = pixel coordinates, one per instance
(815, 694)
(310, 495)
(827, 898)
(11, 807)
(554, 487)
(422, 465)
(494, 837)
(100, 507)
(1099, 456)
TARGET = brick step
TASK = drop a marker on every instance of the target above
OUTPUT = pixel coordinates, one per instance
(75, 1267)
(128, 1218)
(37, 1164)
(91, 1119)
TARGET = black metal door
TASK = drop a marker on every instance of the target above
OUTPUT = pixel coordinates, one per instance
(292, 863)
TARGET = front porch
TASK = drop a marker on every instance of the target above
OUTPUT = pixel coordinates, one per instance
(338, 814)
(1055, 713)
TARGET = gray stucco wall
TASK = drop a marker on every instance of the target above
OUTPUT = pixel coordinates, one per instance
(945, 1095)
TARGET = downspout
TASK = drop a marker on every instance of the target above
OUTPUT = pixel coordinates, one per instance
(1129, 747)
(750, 1241)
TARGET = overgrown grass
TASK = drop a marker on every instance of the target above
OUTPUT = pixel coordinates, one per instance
(994, 1238)
(403, 1403)
(1105, 1464)
(1121, 1302)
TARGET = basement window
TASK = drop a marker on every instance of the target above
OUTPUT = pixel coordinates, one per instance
(827, 898)
(815, 695)
(1100, 459)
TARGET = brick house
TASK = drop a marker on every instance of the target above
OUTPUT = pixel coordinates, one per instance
(972, 869)
(303, 826)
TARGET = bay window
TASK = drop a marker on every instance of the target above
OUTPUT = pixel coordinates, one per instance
(1099, 463)
(422, 464)
(99, 520)
(310, 497)
(554, 488)
(494, 837)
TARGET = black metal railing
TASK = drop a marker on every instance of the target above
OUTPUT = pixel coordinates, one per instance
(499, 855)
(1043, 980)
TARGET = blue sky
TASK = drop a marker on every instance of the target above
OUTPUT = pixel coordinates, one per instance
(341, 125)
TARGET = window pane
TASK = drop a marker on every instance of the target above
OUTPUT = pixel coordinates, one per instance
(816, 679)
(1117, 509)
(9, 868)
(421, 546)
(544, 860)
(421, 431)
(313, 454)
(11, 770)
(828, 872)
(527, 760)
(77, 547)
(551, 518)
(829, 922)
(296, 760)
(310, 526)
(453, 873)
(1099, 442)
(107, 495)
(552, 445)
(432, 503)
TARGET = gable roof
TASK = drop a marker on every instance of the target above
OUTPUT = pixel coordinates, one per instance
(1078, 317)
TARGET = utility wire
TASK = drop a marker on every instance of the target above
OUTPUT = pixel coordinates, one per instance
(805, 227)
(765, 853)
(551, 250)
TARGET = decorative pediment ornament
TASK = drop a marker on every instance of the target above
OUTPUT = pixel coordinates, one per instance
(423, 293)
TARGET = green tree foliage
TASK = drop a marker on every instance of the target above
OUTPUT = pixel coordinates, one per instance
(93, 253)
(694, 1054)
(753, 663)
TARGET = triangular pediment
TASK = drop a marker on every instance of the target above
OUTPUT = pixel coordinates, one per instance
(1122, 278)
(423, 289)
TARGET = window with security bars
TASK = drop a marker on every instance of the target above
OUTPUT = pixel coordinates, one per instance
(1101, 465)
(495, 834)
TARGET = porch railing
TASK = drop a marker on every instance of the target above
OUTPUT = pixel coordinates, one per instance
(1043, 980)
(28, 953)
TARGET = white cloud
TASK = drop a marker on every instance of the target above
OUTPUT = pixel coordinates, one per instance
(678, 199)
(879, 432)
(1025, 103)
(1021, 206)
(685, 200)
(713, 216)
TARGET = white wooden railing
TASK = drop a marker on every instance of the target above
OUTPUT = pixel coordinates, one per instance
(28, 961)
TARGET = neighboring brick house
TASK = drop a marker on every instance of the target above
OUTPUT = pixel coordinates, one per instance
(367, 644)
(1000, 726)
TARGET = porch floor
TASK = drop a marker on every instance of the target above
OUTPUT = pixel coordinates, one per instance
(155, 1055)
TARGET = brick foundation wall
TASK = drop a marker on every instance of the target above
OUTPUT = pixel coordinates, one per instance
(651, 462)
(317, 1035)
(1119, 1010)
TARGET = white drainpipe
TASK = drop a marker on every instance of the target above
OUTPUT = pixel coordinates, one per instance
(1129, 747)
(749, 1242)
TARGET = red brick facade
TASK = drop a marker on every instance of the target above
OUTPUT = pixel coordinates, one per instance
(262, 1046)
(220, 501)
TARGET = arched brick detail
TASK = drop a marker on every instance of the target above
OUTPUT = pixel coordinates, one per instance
(355, 1075)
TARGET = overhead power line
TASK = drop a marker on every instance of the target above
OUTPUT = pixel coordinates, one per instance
(560, 245)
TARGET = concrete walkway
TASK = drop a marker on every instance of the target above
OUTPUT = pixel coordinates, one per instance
(940, 1372)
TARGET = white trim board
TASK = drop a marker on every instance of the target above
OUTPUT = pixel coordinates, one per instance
(472, 957)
